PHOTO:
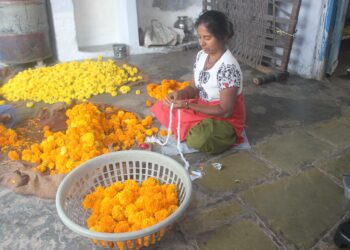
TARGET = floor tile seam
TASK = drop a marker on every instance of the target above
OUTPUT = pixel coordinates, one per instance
(215, 228)
(277, 239)
(329, 176)
(267, 162)
(336, 149)
(330, 232)
(256, 155)
(268, 230)
(312, 134)
(212, 205)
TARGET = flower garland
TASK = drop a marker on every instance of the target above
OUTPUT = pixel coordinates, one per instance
(67, 81)
(90, 132)
(160, 91)
(129, 206)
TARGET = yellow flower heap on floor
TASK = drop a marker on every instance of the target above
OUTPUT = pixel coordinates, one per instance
(67, 81)
(90, 132)
(126, 207)
(160, 91)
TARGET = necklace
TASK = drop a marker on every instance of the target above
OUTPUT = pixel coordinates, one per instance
(209, 64)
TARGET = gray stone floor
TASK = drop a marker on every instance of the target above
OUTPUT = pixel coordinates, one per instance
(284, 193)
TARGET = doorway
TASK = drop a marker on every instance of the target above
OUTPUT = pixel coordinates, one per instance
(338, 60)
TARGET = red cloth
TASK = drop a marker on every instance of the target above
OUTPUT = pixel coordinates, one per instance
(189, 118)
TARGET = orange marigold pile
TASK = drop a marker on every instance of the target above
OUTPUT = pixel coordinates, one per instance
(160, 91)
(90, 132)
(129, 206)
(8, 138)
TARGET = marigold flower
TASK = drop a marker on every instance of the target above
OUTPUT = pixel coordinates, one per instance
(90, 132)
(163, 132)
(160, 91)
(149, 103)
(64, 82)
(134, 207)
(117, 213)
(124, 89)
(13, 155)
(29, 104)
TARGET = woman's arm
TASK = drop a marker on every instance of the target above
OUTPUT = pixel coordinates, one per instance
(223, 109)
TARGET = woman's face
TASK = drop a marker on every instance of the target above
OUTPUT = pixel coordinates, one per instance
(208, 41)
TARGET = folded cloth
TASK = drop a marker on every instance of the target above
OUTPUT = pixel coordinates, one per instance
(8, 109)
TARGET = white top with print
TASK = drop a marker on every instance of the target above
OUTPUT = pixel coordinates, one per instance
(225, 73)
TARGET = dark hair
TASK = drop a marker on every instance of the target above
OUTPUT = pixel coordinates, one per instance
(217, 24)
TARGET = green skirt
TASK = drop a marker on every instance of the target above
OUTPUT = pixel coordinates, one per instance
(211, 136)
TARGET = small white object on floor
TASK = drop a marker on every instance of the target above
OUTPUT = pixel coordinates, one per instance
(195, 174)
(217, 165)
(40, 64)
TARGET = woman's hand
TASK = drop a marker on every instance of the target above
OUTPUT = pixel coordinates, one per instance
(174, 97)
(178, 101)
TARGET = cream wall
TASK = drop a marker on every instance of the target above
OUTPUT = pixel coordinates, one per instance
(83, 26)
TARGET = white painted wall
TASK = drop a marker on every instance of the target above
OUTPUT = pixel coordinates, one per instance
(96, 23)
(89, 23)
(309, 34)
(110, 22)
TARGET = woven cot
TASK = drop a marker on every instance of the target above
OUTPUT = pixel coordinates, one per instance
(264, 29)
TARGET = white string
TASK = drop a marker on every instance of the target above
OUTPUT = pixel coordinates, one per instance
(187, 165)
(169, 127)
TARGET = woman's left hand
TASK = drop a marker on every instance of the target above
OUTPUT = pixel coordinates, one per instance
(180, 104)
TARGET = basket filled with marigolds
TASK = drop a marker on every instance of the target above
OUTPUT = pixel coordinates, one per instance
(124, 200)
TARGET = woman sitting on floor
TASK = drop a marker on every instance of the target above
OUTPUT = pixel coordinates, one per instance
(212, 107)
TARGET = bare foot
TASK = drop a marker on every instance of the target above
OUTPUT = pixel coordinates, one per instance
(5, 118)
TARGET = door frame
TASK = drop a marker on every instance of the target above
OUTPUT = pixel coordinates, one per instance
(324, 40)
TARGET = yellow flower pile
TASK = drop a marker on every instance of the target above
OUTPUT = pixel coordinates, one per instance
(160, 91)
(67, 81)
(129, 206)
(90, 132)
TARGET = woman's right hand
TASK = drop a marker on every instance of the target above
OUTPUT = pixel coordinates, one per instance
(173, 97)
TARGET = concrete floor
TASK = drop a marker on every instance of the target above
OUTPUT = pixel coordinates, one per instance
(284, 193)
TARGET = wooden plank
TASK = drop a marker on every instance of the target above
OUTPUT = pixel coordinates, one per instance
(280, 43)
(280, 20)
(291, 29)
(264, 69)
(272, 55)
